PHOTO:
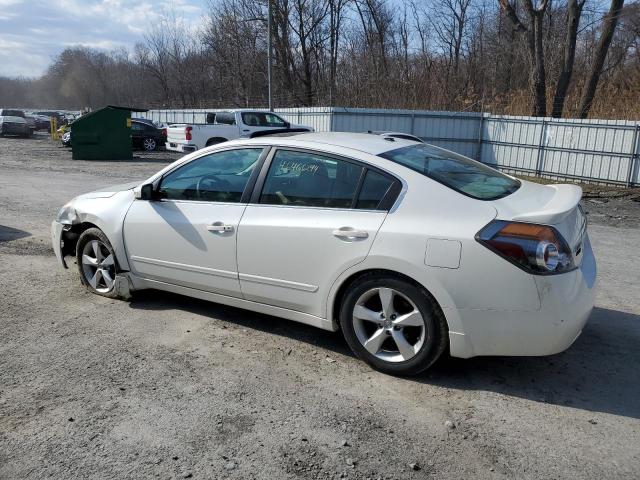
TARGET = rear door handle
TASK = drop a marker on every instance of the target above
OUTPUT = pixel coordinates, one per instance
(349, 233)
(220, 227)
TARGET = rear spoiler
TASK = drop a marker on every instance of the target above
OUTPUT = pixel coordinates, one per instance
(280, 132)
(561, 204)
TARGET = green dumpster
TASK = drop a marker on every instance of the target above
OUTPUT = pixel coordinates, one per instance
(103, 134)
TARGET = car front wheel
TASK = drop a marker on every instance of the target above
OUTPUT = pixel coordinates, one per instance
(392, 324)
(96, 263)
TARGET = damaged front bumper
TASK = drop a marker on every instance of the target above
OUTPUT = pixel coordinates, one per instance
(57, 239)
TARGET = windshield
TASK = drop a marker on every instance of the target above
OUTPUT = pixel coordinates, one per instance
(455, 171)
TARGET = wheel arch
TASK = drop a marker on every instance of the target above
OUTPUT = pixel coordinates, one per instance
(72, 235)
(215, 141)
(111, 230)
(437, 294)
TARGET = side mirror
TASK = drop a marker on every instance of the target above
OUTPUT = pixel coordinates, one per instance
(287, 125)
(145, 192)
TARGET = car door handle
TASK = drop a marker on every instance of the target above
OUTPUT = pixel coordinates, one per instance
(349, 233)
(220, 227)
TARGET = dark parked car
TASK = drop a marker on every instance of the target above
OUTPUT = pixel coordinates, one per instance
(60, 120)
(31, 121)
(146, 135)
(42, 122)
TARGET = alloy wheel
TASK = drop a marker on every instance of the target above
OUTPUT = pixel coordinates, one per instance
(389, 325)
(98, 266)
(149, 144)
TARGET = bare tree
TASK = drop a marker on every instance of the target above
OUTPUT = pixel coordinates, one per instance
(609, 24)
(426, 54)
(574, 12)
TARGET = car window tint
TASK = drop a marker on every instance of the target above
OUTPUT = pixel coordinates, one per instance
(225, 118)
(13, 113)
(374, 189)
(455, 171)
(218, 177)
(310, 180)
(262, 119)
(274, 120)
(136, 126)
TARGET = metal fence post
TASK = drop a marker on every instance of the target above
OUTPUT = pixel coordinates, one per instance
(480, 137)
(633, 159)
(540, 158)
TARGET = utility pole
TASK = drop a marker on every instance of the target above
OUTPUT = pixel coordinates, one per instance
(269, 55)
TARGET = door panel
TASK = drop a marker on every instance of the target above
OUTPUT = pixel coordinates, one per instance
(290, 256)
(178, 242)
(187, 236)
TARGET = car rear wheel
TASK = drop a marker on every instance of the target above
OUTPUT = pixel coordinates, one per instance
(149, 144)
(96, 263)
(393, 325)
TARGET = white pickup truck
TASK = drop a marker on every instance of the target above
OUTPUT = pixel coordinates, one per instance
(223, 126)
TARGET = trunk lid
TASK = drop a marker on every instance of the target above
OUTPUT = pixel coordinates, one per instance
(555, 205)
(176, 133)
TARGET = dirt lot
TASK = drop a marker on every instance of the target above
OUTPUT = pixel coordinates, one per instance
(170, 387)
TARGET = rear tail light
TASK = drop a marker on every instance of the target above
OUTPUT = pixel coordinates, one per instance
(538, 249)
(164, 132)
(187, 133)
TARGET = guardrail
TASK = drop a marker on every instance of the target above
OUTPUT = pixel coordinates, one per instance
(603, 151)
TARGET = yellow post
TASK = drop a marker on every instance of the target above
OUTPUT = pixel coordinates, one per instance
(54, 128)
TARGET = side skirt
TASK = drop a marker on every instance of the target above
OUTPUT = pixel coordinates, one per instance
(140, 283)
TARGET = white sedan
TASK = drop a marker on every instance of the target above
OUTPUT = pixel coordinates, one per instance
(406, 248)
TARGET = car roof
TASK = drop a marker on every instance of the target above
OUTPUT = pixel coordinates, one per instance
(362, 142)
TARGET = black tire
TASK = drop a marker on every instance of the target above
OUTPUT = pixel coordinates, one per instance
(436, 331)
(90, 235)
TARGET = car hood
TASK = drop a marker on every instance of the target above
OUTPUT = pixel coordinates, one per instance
(107, 192)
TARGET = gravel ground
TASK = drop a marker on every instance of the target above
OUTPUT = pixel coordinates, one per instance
(171, 387)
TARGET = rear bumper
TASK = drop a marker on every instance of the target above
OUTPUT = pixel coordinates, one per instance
(180, 147)
(566, 303)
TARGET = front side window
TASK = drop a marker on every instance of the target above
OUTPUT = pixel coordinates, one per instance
(263, 119)
(455, 171)
(217, 177)
(310, 180)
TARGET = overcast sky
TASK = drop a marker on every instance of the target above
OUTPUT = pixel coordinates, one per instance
(33, 32)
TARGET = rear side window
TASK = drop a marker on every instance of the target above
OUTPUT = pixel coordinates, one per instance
(374, 190)
(263, 119)
(460, 173)
(310, 180)
(225, 118)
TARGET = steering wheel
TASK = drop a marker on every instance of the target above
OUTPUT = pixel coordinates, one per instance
(219, 184)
